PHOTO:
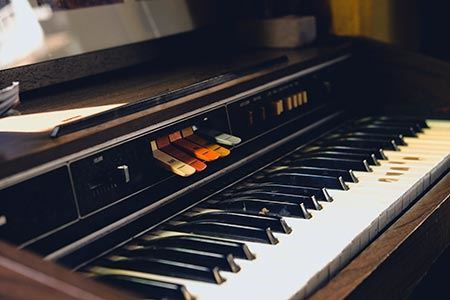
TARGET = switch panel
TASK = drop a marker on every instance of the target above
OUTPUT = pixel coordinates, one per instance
(108, 176)
(256, 114)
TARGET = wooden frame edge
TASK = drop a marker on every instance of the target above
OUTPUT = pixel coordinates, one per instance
(394, 263)
(24, 275)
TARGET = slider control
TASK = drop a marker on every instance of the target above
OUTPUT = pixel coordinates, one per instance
(171, 163)
(219, 137)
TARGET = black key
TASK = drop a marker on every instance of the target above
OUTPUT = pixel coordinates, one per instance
(417, 125)
(188, 256)
(320, 194)
(230, 231)
(377, 152)
(405, 131)
(334, 163)
(262, 207)
(315, 181)
(286, 163)
(347, 175)
(361, 143)
(277, 224)
(310, 202)
(163, 267)
(370, 158)
(405, 120)
(398, 138)
(238, 250)
(414, 126)
(146, 288)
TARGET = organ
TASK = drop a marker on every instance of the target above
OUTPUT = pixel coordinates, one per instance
(251, 174)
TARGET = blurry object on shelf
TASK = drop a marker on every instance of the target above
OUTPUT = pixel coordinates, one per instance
(282, 32)
(275, 24)
(48, 120)
(72, 4)
(391, 21)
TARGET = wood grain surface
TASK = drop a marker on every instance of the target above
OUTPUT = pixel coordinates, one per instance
(394, 263)
(56, 71)
(24, 275)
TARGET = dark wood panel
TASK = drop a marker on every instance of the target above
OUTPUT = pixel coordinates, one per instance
(394, 263)
(166, 74)
(395, 81)
(38, 75)
(26, 276)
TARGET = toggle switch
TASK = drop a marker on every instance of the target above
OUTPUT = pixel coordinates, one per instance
(262, 113)
(288, 103)
(305, 97)
(278, 107)
(250, 118)
(295, 103)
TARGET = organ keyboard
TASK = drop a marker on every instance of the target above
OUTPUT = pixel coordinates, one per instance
(263, 187)
(288, 227)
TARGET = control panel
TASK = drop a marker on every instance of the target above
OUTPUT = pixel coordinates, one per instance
(273, 107)
(188, 147)
(110, 175)
(157, 163)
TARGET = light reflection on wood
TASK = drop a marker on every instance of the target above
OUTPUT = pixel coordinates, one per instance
(46, 121)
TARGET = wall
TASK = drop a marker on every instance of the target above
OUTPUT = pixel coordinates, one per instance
(393, 21)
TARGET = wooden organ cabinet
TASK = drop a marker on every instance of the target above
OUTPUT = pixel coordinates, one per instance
(218, 171)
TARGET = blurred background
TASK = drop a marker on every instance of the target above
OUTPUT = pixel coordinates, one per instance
(60, 28)
(418, 25)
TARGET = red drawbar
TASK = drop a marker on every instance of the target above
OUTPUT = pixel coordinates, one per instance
(175, 136)
(162, 142)
(164, 145)
(199, 151)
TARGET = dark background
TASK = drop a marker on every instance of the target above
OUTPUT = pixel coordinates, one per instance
(435, 29)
